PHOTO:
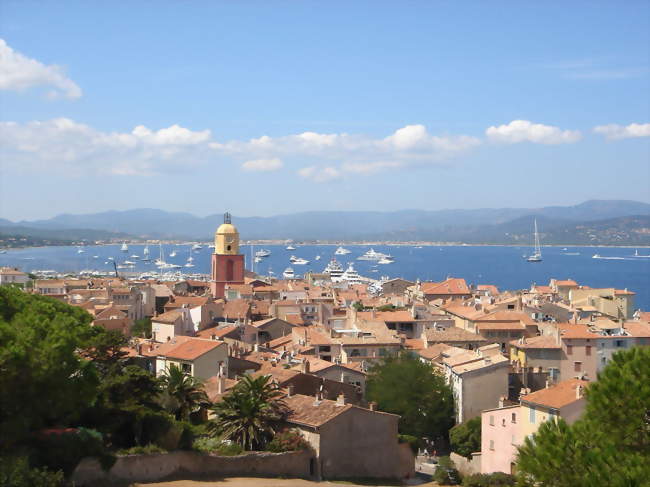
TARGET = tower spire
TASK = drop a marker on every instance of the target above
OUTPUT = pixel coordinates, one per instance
(226, 217)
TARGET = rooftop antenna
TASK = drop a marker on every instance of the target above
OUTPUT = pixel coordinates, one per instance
(226, 217)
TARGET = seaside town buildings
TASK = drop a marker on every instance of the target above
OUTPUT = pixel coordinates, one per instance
(512, 358)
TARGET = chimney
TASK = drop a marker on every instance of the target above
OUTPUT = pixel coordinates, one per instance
(340, 400)
(579, 390)
(372, 406)
(221, 385)
(256, 348)
(546, 384)
(317, 399)
(304, 367)
(501, 401)
(290, 390)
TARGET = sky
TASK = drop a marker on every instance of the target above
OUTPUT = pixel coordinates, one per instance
(273, 107)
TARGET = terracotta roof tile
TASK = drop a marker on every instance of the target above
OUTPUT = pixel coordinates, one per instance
(556, 396)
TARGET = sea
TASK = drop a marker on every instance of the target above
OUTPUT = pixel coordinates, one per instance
(503, 266)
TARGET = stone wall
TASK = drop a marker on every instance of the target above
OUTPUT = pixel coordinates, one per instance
(188, 465)
(466, 466)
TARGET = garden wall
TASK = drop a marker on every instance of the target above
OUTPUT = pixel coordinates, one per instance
(466, 466)
(188, 465)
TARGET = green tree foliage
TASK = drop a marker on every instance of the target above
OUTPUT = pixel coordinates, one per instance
(465, 438)
(182, 394)
(406, 386)
(609, 445)
(496, 479)
(16, 472)
(105, 351)
(248, 415)
(43, 381)
(142, 328)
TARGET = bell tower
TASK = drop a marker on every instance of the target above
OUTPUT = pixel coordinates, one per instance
(227, 262)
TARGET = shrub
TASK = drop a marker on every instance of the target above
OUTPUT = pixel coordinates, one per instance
(142, 450)
(413, 442)
(216, 445)
(63, 449)
(446, 473)
(465, 438)
(496, 479)
(288, 441)
(15, 471)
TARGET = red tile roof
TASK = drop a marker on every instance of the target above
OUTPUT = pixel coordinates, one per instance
(557, 396)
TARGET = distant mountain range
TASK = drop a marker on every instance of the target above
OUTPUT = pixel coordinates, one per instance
(606, 222)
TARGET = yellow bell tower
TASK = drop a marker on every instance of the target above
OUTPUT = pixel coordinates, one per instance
(226, 238)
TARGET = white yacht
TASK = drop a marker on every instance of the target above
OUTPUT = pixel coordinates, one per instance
(95, 256)
(262, 253)
(342, 251)
(189, 264)
(80, 250)
(300, 261)
(317, 257)
(537, 253)
(290, 247)
(386, 260)
(196, 247)
(372, 254)
(288, 273)
(258, 259)
(173, 253)
(293, 258)
(129, 262)
(334, 270)
(351, 275)
(124, 248)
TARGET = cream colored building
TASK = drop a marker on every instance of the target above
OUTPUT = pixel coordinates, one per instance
(197, 357)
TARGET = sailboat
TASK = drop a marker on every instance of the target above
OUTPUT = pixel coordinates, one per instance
(124, 248)
(190, 260)
(145, 252)
(537, 254)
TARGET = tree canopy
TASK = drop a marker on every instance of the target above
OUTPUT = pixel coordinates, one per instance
(609, 445)
(419, 394)
(465, 438)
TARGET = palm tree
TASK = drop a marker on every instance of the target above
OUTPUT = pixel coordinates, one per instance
(182, 394)
(248, 415)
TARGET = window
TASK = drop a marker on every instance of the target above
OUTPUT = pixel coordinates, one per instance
(588, 350)
(503, 422)
(569, 349)
(186, 368)
(491, 420)
(620, 343)
(513, 418)
(492, 445)
(531, 418)
(577, 366)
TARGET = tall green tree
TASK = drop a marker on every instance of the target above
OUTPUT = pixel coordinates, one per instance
(609, 445)
(406, 386)
(105, 349)
(250, 413)
(465, 438)
(182, 394)
(43, 380)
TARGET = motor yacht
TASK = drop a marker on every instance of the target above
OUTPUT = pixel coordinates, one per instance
(372, 254)
(300, 261)
(334, 270)
(288, 273)
(342, 251)
(262, 253)
(351, 275)
(124, 247)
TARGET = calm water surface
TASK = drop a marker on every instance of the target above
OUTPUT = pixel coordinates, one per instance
(503, 266)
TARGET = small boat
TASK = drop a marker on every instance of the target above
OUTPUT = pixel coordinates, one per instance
(317, 257)
(134, 256)
(342, 251)
(290, 247)
(80, 251)
(258, 259)
(262, 253)
(124, 247)
(3, 251)
(173, 253)
(110, 258)
(196, 247)
(288, 273)
(571, 253)
(189, 264)
(300, 261)
(129, 262)
(537, 254)
(386, 260)
(95, 256)
(636, 254)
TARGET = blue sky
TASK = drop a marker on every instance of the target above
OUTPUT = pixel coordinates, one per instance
(272, 107)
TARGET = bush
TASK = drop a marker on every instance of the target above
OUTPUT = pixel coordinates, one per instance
(142, 450)
(288, 441)
(63, 449)
(496, 479)
(465, 438)
(413, 442)
(216, 445)
(446, 473)
(15, 471)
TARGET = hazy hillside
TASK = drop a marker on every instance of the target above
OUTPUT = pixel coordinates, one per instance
(597, 221)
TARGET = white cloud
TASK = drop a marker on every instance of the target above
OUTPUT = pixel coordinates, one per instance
(614, 131)
(63, 144)
(525, 131)
(320, 174)
(19, 73)
(263, 165)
